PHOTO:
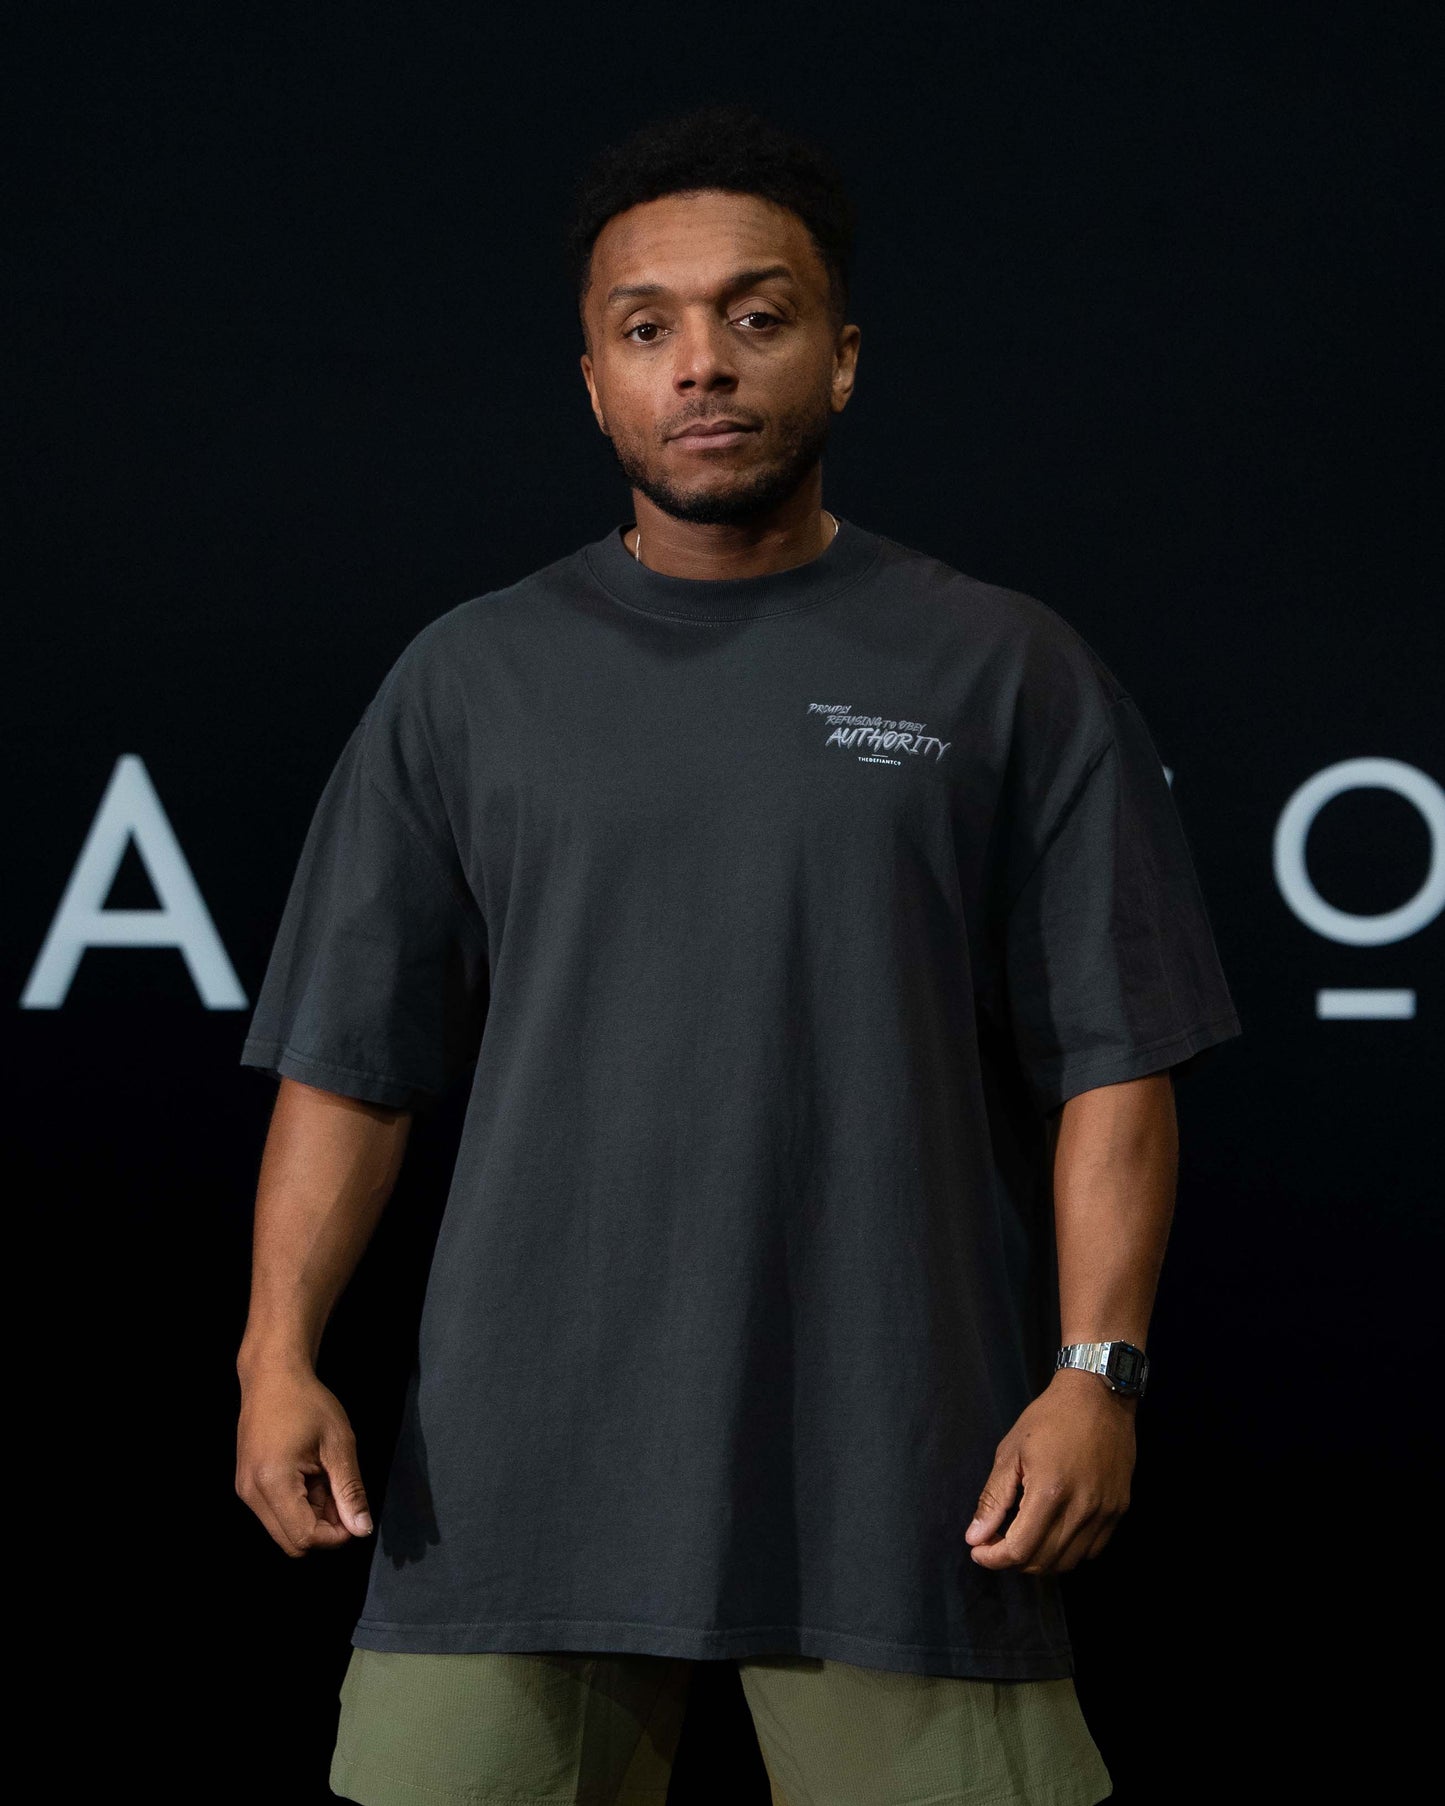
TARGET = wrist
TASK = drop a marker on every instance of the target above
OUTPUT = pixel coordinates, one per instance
(267, 1356)
(1089, 1385)
(1121, 1366)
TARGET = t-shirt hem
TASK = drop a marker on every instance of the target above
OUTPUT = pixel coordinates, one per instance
(1134, 1062)
(627, 1637)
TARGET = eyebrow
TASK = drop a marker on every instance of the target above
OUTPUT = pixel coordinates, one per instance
(633, 291)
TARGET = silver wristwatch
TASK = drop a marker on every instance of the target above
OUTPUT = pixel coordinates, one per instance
(1122, 1367)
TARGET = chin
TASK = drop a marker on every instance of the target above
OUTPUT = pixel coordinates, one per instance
(728, 500)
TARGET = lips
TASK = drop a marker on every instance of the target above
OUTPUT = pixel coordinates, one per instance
(713, 429)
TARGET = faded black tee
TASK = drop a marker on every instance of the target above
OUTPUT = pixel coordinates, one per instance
(764, 919)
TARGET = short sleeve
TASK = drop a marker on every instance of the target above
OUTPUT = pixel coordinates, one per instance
(377, 983)
(1111, 966)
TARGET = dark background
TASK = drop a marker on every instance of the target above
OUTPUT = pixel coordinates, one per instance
(1150, 322)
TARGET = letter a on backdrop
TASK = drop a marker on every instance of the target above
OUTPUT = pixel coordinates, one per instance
(131, 810)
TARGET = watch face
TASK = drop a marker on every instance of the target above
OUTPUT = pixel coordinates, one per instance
(1124, 1364)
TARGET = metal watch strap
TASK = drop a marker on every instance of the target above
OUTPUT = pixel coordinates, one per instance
(1121, 1365)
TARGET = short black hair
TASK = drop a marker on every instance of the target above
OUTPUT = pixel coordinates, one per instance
(726, 145)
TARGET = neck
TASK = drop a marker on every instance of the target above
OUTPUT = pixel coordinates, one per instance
(704, 550)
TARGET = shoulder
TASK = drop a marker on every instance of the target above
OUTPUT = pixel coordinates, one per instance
(458, 652)
(994, 614)
(1027, 646)
(435, 647)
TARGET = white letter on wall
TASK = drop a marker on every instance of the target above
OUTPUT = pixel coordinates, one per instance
(130, 809)
(1293, 828)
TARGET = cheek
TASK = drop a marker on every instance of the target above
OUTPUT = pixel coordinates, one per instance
(636, 405)
(805, 388)
(798, 416)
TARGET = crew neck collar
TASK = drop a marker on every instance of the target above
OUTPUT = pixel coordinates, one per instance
(845, 558)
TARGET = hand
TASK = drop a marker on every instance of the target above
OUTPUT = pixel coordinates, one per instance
(296, 1462)
(1072, 1452)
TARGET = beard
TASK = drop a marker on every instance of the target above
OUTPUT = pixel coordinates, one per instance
(750, 494)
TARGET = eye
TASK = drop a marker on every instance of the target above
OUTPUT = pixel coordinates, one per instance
(753, 313)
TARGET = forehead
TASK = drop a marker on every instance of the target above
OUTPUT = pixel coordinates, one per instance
(691, 244)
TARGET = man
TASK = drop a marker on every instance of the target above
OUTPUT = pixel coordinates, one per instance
(815, 931)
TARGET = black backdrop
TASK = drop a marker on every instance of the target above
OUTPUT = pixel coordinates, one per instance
(293, 370)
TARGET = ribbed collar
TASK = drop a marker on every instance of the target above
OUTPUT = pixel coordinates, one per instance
(851, 552)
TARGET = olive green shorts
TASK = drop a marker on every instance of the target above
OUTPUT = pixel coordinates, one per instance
(601, 1730)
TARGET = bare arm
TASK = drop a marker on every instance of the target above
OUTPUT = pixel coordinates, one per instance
(1072, 1451)
(328, 1168)
(1116, 1166)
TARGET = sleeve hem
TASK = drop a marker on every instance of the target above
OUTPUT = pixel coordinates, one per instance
(349, 1081)
(1068, 1077)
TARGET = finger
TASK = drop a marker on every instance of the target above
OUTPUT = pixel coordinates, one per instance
(1064, 1547)
(1101, 1539)
(338, 1457)
(318, 1494)
(274, 1528)
(999, 1492)
(284, 1493)
(1038, 1510)
(252, 1487)
(261, 1510)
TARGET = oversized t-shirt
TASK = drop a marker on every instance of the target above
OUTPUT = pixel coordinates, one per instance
(765, 920)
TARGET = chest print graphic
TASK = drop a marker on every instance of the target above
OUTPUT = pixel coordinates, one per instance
(875, 739)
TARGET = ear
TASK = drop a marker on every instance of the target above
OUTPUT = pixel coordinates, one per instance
(845, 370)
(589, 379)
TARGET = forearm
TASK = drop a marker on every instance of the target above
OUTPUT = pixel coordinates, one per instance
(1115, 1169)
(1115, 1159)
(328, 1168)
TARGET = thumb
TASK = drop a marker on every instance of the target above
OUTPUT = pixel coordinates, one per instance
(344, 1476)
(999, 1492)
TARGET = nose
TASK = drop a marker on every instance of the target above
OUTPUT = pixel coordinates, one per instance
(704, 355)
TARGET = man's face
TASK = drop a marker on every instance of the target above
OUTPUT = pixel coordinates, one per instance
(734, 323)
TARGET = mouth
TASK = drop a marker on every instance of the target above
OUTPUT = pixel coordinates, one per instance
(712, 435)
